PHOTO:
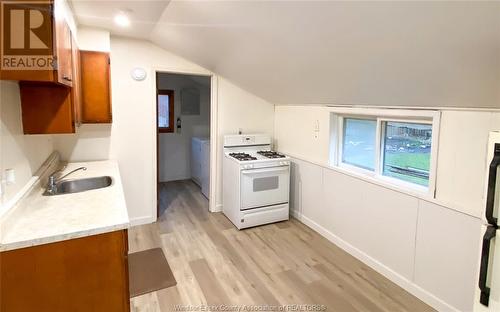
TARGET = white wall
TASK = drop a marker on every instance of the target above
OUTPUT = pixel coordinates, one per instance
(429, 246)
(23, 153)
(461, 171)
(175, 148)
(91, 141)
(131, 138)
(461, 164)
(93, 39)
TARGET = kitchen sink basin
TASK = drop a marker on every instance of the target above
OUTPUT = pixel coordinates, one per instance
(79, 185)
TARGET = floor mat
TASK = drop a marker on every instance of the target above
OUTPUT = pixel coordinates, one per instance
(149, 271)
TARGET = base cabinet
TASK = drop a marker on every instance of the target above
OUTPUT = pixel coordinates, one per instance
(84, 274)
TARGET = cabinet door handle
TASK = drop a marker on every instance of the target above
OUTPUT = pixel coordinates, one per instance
(67, 78)
(485, 257)
(492, 181)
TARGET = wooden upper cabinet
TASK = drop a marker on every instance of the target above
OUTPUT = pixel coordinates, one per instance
(64, 54)
(95, 81)
(76, 91)
(50, 108)
(46, 108)
(52, 39)
(53, 108)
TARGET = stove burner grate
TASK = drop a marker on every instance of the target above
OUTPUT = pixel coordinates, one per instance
(242, 156)
(271, 154)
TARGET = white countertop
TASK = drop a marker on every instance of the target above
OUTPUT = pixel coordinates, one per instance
(42, 219)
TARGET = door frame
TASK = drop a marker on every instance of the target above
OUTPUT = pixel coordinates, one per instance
(212, 204)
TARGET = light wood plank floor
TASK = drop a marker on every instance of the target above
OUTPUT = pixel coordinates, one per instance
(277, 264)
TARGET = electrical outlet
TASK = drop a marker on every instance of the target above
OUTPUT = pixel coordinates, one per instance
(316, 129)
(316, 125)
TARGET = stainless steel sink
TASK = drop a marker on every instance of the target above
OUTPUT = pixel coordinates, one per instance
(79, 185)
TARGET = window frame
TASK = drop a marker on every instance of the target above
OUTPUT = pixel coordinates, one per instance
(340, 141)
(381, 116)
(171, 115)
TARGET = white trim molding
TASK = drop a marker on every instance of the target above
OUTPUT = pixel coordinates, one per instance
(142, 220)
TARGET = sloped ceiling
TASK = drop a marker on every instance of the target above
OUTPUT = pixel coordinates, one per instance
(145, 15)
(406, 53)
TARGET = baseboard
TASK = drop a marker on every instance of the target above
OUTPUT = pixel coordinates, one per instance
(400, 280)
(175, 178)
(142, 220)
(218, 208)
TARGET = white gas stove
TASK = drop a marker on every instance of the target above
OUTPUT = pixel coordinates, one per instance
(256, 181)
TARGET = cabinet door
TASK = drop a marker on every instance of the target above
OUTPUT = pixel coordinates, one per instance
(46, 108)
(96, 95)
(47, 30)
(76, 91)
(64, 53)
(78, 275)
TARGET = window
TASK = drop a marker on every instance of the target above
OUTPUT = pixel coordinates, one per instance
(407, 151)
(393, 147)
(359, 137)
(165, 101)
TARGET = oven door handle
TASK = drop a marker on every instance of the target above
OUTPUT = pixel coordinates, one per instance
(265, 170)
(483, 271)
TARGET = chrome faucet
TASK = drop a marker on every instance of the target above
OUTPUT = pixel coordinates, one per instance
(52, 185)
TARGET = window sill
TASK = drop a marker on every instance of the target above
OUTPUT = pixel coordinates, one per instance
(369, 176)
(387, 182)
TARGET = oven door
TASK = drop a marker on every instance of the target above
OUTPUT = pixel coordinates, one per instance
(264, 187)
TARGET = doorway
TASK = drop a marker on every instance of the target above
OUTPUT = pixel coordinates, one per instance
(183, 134)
